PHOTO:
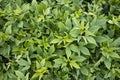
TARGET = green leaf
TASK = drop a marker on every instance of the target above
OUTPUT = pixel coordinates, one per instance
(20, 25)
(62, 27)
(100, 39)
(78, 58)
(84, 39)
(68, 23)
(91, 40)
(75, 22)
(47, 11)
(58, 62)
(8, 29)
(74, 48)
(116, 42)
(42, 62)
(22, 62)
(74, 64)
(34, 3)
(52, 49)
(42, 6)
(25, 68)
(2, 22)
(27, 76)
(68, 52)
(55, 41)
(20, 74)
(84, 71)
(97, 23)
(75, 32)
(84, 50)
(19, 2)
(35, 75)
(94, 28)
(17, 11)
(110, 22)
(107, 63)
(115, 55)
(39, 73)
(26, 7)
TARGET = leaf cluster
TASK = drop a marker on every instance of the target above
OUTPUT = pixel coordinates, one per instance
(59, 39)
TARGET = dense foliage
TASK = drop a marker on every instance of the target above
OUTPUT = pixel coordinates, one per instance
(59, 39)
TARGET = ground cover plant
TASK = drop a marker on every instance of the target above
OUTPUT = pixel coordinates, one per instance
(59, 39)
